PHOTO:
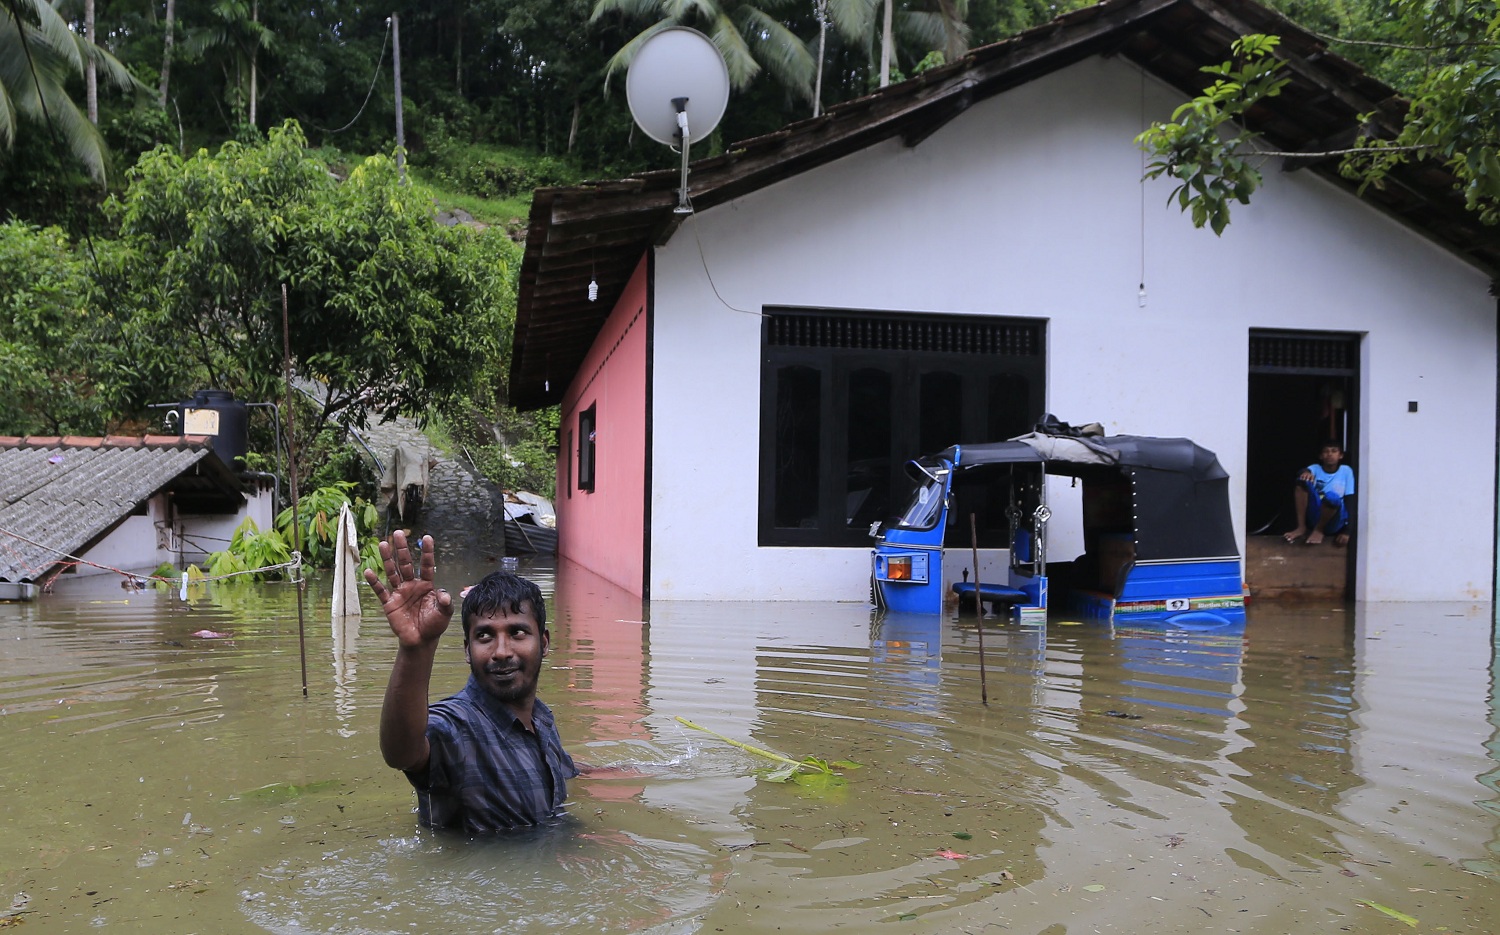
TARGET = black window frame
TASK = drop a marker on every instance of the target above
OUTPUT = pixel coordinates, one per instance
(588, 467)
(838, 344)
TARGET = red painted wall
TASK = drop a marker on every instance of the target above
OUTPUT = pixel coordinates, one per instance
(604, 529)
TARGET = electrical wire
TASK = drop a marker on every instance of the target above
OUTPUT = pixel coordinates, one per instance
(294, 564)
(379, 63)
(693, 220)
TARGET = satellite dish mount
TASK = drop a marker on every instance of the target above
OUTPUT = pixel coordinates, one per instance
(683, 205)
(678, 74)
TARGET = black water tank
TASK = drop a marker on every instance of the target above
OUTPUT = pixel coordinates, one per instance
(217, 414)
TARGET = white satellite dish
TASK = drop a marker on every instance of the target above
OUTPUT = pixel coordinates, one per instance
(677, 88)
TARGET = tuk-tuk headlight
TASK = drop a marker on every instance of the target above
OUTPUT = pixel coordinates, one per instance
(906, 567)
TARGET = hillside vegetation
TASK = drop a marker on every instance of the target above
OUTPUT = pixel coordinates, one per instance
(175, 175)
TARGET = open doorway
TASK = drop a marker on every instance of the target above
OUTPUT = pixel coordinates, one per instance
(1304, 389)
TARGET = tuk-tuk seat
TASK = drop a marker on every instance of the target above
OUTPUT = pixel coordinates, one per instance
(991, 593)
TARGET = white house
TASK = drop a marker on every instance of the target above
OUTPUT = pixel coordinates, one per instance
(948, 259)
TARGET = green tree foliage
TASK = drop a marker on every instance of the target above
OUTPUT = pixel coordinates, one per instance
(47, 335)
(318, 516)
(1444, 56)
(38, 55)
(521, 73)
(387, 308)
(992, 20)
(1193, 147)
(748, 33)
(768, 35)
(252, 552)
(1455, 100)
(71, 363)
(233, 38)
(919, 27)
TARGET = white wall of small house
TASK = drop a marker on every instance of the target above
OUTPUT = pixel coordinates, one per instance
(199, 534)
(130, 546)
(1029, 204)
(142, 543)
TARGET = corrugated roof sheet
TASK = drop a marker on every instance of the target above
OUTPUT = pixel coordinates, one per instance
(58, 495)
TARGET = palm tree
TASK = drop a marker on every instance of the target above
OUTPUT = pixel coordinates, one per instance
(38, 53)
(864, 23)
(744, 31)
(235, 30)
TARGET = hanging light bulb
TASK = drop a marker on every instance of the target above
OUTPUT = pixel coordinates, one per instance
(1140, 296)
(593, 291)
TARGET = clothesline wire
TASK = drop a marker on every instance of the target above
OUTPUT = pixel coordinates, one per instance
(294, 565)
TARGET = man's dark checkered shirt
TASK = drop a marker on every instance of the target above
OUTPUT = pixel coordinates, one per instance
(486, 771)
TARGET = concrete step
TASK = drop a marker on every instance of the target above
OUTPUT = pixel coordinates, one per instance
(1277, 570)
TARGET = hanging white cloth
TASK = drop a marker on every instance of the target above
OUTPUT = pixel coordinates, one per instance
(346, 567)
(408, 472)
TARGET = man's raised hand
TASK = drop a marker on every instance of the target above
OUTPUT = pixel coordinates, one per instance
(417, 612)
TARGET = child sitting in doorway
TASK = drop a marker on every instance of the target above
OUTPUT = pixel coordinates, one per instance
(1322, 497)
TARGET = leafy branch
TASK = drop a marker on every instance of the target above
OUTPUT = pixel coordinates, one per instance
(1201, 145)
(810, 771)
(1453, 119)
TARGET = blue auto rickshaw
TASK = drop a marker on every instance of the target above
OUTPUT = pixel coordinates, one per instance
(1159, 543)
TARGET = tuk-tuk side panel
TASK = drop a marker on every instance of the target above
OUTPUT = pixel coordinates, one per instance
(1176, 580)
(1091, 605)
(1197, 595)
(1178, 518)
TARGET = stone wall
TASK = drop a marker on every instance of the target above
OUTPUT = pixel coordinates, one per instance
(462, 511)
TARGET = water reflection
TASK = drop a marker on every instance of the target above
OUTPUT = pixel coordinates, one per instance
(598, 628)
(345, 642)
(1490, 863)
(1269, 779)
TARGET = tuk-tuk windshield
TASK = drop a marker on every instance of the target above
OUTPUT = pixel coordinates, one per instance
(926, 505)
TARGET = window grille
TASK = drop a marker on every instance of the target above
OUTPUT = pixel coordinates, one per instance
(935, 334)
(1334, 354)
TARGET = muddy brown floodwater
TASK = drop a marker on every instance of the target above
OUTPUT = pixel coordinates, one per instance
(1325, 770)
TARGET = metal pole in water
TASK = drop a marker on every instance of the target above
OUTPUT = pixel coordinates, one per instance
(984, 691)
(291, 457)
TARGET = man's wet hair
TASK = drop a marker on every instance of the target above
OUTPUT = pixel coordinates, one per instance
(501, 590)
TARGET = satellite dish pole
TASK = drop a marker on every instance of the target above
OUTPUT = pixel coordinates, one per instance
(822, 11)
(685, 141)
(677, 88)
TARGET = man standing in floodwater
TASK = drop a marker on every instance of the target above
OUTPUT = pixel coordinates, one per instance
(489, 758)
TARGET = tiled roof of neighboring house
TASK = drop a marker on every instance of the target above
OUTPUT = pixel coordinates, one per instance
(58, 496)
(599, 230)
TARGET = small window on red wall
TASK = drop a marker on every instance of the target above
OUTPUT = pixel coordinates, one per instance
(586, 448)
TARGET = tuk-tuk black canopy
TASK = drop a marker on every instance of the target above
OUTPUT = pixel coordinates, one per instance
(1180, 492)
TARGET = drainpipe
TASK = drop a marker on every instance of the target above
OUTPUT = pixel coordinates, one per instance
(276, 434)
(275, 489)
